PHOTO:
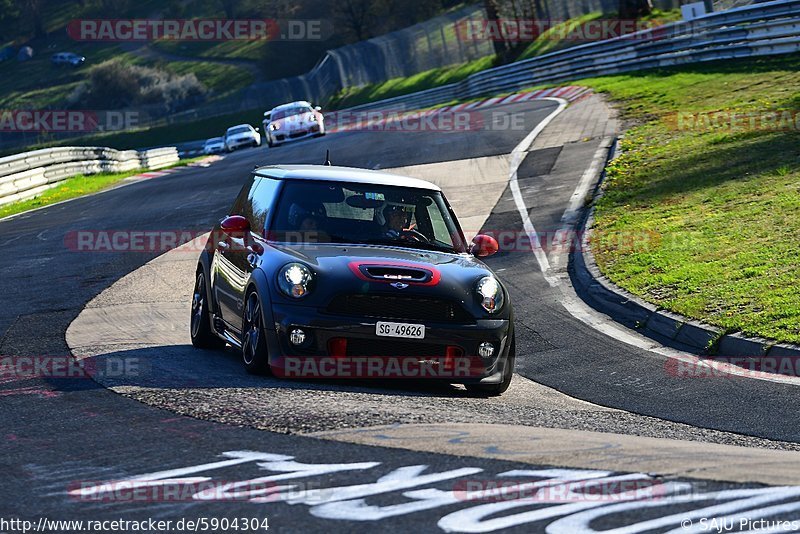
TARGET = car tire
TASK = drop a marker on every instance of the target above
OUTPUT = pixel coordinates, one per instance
(493, 390)
(203, 337)
(254, 341)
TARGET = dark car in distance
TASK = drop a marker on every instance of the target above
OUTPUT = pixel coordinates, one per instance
(323, 271)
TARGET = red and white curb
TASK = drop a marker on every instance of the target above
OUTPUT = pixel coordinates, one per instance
(570, 93)
(205, 162)
(369, 119)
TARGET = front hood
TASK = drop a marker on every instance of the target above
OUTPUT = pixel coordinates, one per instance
(345, 269)
(298, 122)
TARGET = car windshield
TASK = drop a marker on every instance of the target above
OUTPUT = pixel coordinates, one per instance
(238, 130)
(214, 141)
(290, 112)
(333, 212)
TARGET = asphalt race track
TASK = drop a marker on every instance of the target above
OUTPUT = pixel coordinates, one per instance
(64, 438)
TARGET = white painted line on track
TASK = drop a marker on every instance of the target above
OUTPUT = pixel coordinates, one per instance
(566, 234)
(554, 272)
(517, 157)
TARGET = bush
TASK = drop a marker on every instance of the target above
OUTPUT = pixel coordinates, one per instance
(115, 85)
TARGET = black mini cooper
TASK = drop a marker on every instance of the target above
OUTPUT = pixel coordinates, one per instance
(333, 272)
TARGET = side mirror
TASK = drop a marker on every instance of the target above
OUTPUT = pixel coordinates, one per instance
(235, 226)
(267, 115)
(256, 129)
(483, 246)
(318, 108)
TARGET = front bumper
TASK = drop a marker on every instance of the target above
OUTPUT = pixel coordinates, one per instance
(282, 136)
(453, 347)
(237, 143)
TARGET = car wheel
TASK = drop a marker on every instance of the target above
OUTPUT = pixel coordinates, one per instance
(493, 390)
(203, 337)
(254, 342)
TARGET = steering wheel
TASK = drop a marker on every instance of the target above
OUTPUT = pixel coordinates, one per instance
(414, 235)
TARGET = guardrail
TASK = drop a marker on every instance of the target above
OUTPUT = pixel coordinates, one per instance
(757, 30)
(23, 176)
(767, 28)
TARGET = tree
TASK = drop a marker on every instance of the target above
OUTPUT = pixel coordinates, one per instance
(229, 6)
(32, 11)
(493, 18)
(634, 9)
(8, 11)
(357, 17)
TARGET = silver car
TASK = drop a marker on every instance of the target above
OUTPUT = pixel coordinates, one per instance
(215, 145)
(240, 136)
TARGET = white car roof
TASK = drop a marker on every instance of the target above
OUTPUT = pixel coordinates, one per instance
(297, 104)
(239, 126)
(343, 175)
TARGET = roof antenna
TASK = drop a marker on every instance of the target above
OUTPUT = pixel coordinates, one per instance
(327, 158)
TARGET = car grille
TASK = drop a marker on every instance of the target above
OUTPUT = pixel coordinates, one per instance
(357, 347)
(395, 307)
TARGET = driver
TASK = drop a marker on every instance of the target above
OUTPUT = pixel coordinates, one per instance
(395, 221)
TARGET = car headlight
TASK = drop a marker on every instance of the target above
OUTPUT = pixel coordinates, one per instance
(490, 293)
(274, 126)
(295, 280)
(312, 118)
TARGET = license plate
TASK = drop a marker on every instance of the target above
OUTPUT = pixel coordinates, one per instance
(404, 330)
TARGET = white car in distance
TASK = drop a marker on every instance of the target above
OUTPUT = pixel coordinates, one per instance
(240, 136)
(215, 145)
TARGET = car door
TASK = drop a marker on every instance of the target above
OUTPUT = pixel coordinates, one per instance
(225, 274)
(241, 254)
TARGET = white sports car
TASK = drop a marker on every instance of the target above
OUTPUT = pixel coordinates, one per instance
(290, 122)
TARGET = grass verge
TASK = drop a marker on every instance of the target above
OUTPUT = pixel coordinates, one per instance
(74, 187)
(354, 96)
(705, 221)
